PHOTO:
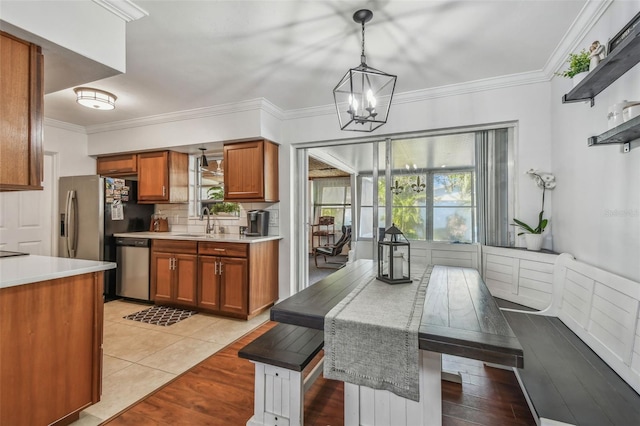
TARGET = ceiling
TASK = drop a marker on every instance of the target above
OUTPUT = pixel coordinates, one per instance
(194, 54)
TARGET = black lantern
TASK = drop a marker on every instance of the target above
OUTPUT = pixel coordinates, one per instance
(393, 251)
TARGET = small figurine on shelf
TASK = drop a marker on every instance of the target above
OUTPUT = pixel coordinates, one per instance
(597, 53)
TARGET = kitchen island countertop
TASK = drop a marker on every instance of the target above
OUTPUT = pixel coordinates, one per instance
(32, 268)
(195, 236)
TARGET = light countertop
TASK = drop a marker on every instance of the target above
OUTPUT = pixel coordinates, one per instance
(29, 269)
(195, 236)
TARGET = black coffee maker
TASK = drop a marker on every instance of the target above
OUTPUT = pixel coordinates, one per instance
(258, 223)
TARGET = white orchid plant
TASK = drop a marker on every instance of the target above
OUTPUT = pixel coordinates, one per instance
(544, 181)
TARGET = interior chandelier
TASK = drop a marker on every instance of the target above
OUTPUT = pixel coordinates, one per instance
(95, 98)
(363, 96)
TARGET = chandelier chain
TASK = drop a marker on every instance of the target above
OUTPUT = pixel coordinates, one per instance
(362, 55)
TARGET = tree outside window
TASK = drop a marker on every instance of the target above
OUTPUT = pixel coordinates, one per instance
(444, 211)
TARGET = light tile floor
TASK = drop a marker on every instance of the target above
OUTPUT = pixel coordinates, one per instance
(139, 357)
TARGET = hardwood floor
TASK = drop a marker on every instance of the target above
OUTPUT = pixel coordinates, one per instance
(219, 391)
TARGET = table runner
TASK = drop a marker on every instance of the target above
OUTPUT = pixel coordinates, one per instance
(371, 336)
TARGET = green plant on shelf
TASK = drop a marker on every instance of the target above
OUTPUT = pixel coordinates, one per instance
(578, 62)
(217, 193)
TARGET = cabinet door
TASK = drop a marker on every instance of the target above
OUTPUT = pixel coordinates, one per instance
(117, 165)
(153, 176)
(234, 285)
(162, 276)
(209, 296)
(185, 276)
(21, 109)
(244, 171)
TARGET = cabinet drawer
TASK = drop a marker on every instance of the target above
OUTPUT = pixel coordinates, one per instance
(117, 165)
(224, 249)
(175, 246)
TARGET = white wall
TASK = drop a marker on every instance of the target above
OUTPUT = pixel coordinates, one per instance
(596, 214)
(103, 33)
(72, 149)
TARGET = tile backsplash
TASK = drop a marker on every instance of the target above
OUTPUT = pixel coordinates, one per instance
(179, 220)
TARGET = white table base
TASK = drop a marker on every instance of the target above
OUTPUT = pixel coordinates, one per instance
(371, 407)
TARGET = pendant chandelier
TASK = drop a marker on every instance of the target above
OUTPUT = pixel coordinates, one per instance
(203, 159)
(363, 96)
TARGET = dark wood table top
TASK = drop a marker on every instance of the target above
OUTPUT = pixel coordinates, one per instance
(460, 317)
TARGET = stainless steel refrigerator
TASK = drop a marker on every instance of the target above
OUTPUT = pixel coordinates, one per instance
(93, 208)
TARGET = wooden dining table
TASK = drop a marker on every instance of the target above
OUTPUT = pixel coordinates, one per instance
(459, 317)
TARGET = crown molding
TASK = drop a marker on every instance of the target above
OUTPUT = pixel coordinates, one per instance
(436, 92)
(50, 122)
(584, 22)
(250, 105)
(124, 9)
(272, 109)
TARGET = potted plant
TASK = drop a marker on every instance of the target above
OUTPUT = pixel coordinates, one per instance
(533, 236)
(578, 66)
(218, 207)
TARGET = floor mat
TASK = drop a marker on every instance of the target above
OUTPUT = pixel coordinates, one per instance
(160, 315)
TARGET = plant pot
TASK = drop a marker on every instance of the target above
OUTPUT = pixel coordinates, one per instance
(579, 77)
(533, 241)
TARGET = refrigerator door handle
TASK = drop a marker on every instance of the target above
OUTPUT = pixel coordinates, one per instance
(70, 225)
(67, 219)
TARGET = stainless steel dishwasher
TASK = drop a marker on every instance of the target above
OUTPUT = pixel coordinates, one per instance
(132, 277)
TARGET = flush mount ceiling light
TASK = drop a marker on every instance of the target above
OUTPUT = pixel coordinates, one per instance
(364, 94)
(94, 98)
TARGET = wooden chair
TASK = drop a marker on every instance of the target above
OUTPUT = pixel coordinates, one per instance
(324, 228)
(333, 250)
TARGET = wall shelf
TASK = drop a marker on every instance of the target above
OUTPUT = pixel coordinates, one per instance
(622, 59)
(624, 133)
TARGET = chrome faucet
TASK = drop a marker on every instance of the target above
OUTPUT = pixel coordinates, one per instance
(209, 228)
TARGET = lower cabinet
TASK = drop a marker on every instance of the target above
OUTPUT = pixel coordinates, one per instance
(50, 349)
(227, 278)
(174, 272)
(223, 284)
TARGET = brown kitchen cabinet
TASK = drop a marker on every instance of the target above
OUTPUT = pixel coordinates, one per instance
(237, 279)
(117, 165)
(22, 112)
(174, 272)
(163, 176)
(223, 284)
(251, 171)
(51, 351)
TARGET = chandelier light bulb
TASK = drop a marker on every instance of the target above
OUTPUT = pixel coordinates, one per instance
(371, 100)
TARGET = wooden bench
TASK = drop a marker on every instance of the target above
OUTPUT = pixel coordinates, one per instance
(582, 353)
(280, 355)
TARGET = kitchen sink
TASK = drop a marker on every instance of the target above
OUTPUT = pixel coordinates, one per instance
(192, 235)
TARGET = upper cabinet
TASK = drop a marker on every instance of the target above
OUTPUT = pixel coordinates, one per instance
(117, 165)
(163, 177)
(21, 109)
(251, 171)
